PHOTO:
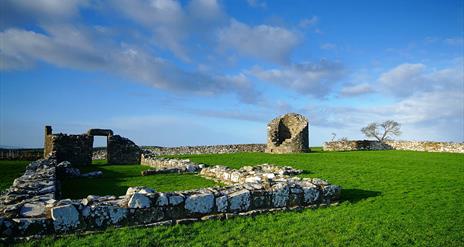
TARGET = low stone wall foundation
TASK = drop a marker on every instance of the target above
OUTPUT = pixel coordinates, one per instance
(426, 146)
(31, 206)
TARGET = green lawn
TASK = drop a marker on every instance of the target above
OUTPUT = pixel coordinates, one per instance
(117, 178)
(389, 198)
(11, 169)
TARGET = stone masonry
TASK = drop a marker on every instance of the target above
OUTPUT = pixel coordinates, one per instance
(288, 134)
(31, 206)
(78, 149)
(425, 146)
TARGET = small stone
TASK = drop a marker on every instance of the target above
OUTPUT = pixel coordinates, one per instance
(65, 218)
(176, 200)
(239, 201)
(200, 203)
(139, 201)
(280, 195)
(311, 195)
(32, 210)
(221, 204)
(162, 200)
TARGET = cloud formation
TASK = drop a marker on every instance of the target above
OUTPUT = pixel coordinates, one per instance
(315, 79)
(265, 42)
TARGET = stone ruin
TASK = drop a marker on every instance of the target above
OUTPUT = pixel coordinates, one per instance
(78, 149)
(288, 134)
(33, 206)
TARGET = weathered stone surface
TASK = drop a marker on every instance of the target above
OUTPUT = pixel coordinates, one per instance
(33, 226)
(65, 218)
(264, 173)
(288, 134)
(32, 209)
(121, 150)
(280, 195)
(331, 192)
(426, 146)
(216, 149)
(78, 149)
(162, 200)
(311, 194)
(221, 204)
(100, 132)
(139, 200)
(200, 203)
(175, 200)
(167, 165)
(140, 189)
(239, 201)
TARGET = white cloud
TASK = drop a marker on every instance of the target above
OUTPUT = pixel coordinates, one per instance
(354, 90)
(72, 49)
(171, 23)
(307, 78)
(43, 11)
(76, 48)
(309, 22)
(407, 79)
(265, 42)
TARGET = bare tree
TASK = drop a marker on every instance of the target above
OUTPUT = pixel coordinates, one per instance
(333, 136)
(382, 131)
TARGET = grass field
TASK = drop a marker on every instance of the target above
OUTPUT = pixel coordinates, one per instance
(389, 198)
(117, 178)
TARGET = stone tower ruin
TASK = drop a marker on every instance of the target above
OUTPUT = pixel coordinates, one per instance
(288, 134)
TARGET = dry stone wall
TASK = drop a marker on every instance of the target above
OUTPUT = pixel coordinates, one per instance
(214, 149)
(426, 146)
(31, 206)
(21, 154)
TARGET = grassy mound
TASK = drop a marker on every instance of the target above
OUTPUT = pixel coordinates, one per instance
(389, 198)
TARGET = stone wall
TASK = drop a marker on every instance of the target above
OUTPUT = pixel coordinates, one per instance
(21, 153)
(30, 206)
(214, 149)
(396, 145)
(166, 165)
(98, 153)
(76, 149)
(121, 150)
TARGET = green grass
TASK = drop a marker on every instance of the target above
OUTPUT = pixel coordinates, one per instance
(117, 178)
(389, 198)
(11, 169)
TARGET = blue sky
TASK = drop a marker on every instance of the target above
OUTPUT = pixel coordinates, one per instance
(200, 72)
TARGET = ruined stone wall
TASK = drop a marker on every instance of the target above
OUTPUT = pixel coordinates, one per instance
(213, 149)
(21, 154)
(76, 149)
(121, 150)
(288, 133)
(37, 153)
(31, 205)
(165, 165)
(396, 145)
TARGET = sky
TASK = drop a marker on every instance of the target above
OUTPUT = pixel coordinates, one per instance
(204, 72)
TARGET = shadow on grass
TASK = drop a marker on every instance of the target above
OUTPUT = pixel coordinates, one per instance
(356, 195)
